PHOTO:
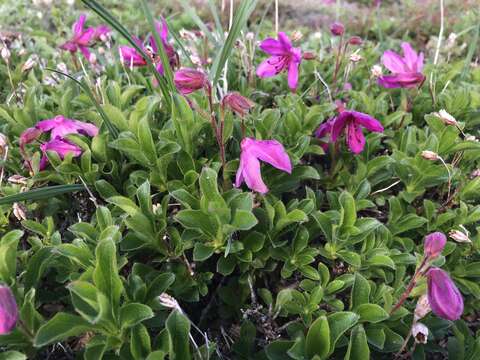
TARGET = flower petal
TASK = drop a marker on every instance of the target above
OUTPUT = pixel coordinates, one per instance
(367, 121)
(270, 67)
(293, 75)
(394, 62)
(86, 37)
(444, 297)
(410, 56)
(270, 151)
(131, 57)
(272, 47)
(251, 172)
(355, 138)
(77, 28)
(339, 123)
(285, 41)
(61, 147)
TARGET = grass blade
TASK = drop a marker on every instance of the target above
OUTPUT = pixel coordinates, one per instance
(41, 193)
(167, 71)
(108, 17)
(240, 20)
(216, 18)
(108, 123)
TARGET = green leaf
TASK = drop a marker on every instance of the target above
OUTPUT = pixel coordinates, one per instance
(372, 313)
(178, 327)
(145, 140)
(159, 285)
(244, 220)
(278, 350)
(360, 291)
(140, 345)
(8, 255)
(37, 265)
(12, 355)
(358, 346)
(318, 338)
(133, 314)
(349, 211)
(45, 192)
(196, 219)
(105, 275)
(202, 252)
(61, 327)
(183, 121)
(339, 323)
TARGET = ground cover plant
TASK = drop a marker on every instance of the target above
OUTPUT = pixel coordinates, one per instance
(239, 180)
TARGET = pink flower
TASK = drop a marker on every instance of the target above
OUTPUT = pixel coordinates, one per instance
(406, 70)
(252, 151)
(61, 146)
(131, 57)
(351, 122)
(82, 38)
(188, 80)
(61, 126)
(434, 244)
(237, 103)
(284, 57)
(444, 297)
(8, 310)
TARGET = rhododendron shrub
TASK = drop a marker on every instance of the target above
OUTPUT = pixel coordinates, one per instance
(194, 181)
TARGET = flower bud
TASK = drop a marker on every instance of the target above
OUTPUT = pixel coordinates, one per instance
(337, 29)
(376, 71)
(446, 117)
(444, 297)
(309, 55)
(8, 310)
(189, 80)
(19, 211)
(237, 103)
(5, 53)
(355, 40)
(28, 136)
(420, 333)
(422, 308)
(430, 155)
(434, 244)
(355, 58)
(29, 64)
(459, 236)
(250, 36)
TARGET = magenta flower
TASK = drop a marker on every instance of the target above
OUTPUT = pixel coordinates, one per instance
(351, 122)
(8, 310)
(406, 70)
(434, 244)
(337, 29)
(59, 127)
(131, 57)
(284, 57)
(82, 38)
(252, 151)
(188, 80)
(444, 297)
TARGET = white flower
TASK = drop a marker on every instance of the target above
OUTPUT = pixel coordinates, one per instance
(420, 333)
(430, 155)
(422, 308)
(459, 236)
(169, 301)
(446, 117)
(376, 71)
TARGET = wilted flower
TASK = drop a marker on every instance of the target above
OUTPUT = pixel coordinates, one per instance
(189, 80)
(8, 310)
(308, 55)
(168, 301)
(131, 57)
(29, 64)
(434, 244)
(237, 103)
(351, 123)
(459, 236)
(376, 71)
(420, 333)
(446, 117)
(283, 57)
(82, 38)
(252, 151)
(406, 70)
(17, 179)
(337, 29)
(19, 211)
(443, 296)
(422, 308)
(430, 155)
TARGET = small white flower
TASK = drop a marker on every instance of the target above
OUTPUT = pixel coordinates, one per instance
(355, 57)
(5, 53)
(430, 155)
(250, 36)
(169, 301)
(459, 236)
